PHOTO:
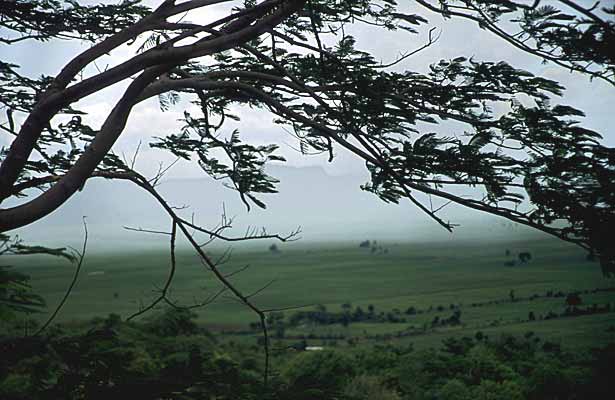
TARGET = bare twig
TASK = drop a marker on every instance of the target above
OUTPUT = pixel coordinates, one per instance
(237, 271)
(167, 285)
(72, 283)
(139, 229)
(204, 303)
(135, 155)
(431, 40)
(268, 310)
(257, 291)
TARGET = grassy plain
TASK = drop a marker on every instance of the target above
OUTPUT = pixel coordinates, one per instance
(422, 275)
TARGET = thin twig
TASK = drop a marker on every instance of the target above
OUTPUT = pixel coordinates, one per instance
(257, 291)
(129, 228)
(267, 310)
(204, 303)
(167, 285)
(72, 284)
(237, 271)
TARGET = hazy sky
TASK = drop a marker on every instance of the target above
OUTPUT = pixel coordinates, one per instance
(457, 38)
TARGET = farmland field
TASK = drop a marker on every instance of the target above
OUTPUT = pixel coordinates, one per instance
(433, 278)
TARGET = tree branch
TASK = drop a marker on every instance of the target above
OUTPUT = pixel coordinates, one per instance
(72, 283)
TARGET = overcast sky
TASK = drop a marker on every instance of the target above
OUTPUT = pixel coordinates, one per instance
(456, 38)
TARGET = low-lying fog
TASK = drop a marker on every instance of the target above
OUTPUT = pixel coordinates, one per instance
(328, 208)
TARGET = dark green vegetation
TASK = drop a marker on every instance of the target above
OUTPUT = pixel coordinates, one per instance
(171, 357)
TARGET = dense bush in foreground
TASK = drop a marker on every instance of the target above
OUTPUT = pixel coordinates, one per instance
(170, 357)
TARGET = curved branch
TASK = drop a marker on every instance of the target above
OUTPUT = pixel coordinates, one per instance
(204, 84)
(490, 26)
(61, 191)
(167, 284)
(72, 283)
(291, 237)
(207, 262)
(377, 161)
(55, 99)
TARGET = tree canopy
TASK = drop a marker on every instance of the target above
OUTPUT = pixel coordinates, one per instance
(533, 163)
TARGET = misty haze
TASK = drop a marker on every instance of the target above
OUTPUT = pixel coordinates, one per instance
(325, 207)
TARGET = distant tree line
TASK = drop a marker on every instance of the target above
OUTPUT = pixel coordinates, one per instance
(278, 323)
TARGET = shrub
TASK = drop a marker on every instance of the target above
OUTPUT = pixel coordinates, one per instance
(327, 371)
(174, 322)
(365, 387)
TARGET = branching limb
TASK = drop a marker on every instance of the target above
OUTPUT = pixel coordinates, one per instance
(563, 61)
(169, 281)
(205, 259)
(59, 95)
(201, 304)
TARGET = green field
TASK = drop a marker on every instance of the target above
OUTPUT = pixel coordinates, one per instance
(422, 275)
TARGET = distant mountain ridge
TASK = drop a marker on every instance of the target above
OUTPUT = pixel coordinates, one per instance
(325, 206)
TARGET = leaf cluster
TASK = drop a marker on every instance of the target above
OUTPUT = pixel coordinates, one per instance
(66, 19)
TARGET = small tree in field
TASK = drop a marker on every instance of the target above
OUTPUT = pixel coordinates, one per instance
(364, 244)
(525, 257)
(533, 164)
